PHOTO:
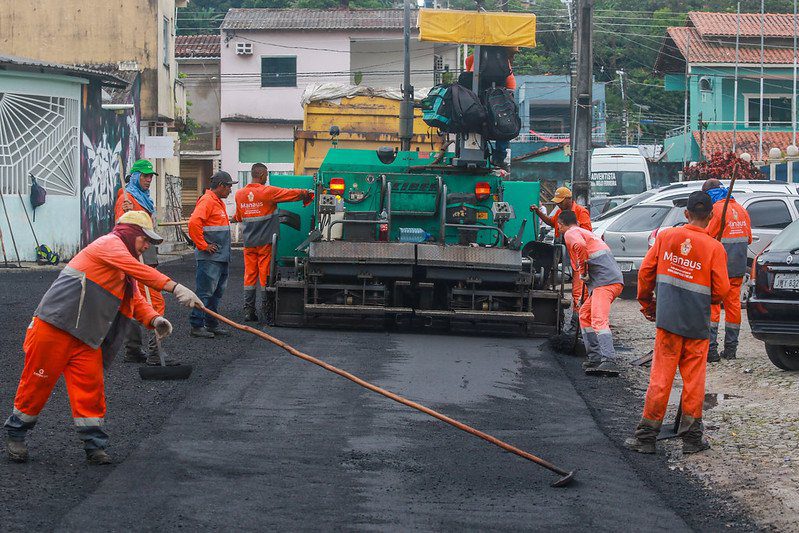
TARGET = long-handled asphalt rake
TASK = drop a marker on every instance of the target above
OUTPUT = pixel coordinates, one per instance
(566, 476)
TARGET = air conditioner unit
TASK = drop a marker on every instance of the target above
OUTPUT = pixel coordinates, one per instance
(244, 49)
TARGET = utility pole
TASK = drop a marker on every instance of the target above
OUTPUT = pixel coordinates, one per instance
(583, 110)
(624, 113)
(406, 108)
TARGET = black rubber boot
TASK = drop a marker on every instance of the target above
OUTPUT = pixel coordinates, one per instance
(219, 331)
(693, 440)
(713, 355)
(645, 436)
(98, 457)
(134, 356)
(17, 450)
(730, 352)
(590, 364)
(250, 315)
(605, 368)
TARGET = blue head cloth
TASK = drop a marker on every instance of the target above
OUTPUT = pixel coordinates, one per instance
(719, 193)
(141, 196)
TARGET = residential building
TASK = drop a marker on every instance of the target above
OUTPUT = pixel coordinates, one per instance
(700, 59)
(545, 112)
(72, 129)
(136, 36)
(270, 56)
(200, 148)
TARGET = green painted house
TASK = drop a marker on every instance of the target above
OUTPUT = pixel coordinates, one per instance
(716, 106)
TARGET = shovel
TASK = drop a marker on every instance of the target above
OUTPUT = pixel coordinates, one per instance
(164, 372)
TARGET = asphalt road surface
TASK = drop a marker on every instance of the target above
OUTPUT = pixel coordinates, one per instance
(258, 439)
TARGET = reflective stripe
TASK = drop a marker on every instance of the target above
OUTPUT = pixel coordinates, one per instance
(22, 416)
(603, 332)
(249, 287)
(257, 219)
(587, 330)
(683, 284)
(731, 325)
(77, 274)
(714, 324)
(89, 422)
(226, 227)
(734, 239)
(596, 254)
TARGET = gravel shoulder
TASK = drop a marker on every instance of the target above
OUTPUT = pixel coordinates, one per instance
(751, 421)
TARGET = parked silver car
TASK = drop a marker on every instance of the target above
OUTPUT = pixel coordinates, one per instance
(633, 232)
(681, 190)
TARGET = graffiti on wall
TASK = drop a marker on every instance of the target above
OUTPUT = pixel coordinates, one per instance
(109, 146)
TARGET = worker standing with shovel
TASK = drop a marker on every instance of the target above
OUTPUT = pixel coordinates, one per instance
(78, 327)
(687, 269)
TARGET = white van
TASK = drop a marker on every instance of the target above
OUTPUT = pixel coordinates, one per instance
(617, 170)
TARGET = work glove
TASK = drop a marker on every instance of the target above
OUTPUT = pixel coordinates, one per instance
(648, 310)
(186, 297)
(307, 198)
(584, 277)
(162, 327)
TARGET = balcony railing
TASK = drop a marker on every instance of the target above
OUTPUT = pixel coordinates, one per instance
(561, 138)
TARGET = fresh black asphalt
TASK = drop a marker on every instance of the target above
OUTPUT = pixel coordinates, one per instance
(260, 440)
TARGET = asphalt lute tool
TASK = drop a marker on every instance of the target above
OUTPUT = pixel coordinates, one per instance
(566, 476)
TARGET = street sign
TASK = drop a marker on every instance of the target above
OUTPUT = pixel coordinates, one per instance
(159, 147)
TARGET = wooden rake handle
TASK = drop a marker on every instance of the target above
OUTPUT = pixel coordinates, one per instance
(567, 476)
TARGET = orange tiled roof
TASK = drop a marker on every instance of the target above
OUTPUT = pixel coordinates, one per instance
(197, 45)
(745, 141)
(725, 24)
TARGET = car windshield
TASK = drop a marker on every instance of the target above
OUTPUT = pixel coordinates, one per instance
(787, 240)
(641, 218)
(614, 183)
(637, 199)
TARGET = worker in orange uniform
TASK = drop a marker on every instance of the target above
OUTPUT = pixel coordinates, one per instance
(505, 77)
(736, 238)
(209, 229)
(136, 197)
(256, 208)
(78, 327)
(687, 270)
(597, 268)
(563, 200)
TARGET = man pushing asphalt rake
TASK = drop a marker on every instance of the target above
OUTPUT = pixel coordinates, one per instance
(566, 476)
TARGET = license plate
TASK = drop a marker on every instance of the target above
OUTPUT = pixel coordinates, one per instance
(786, 281)
(626, 266)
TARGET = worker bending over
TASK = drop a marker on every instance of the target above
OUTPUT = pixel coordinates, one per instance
(136, 197)
(256, 208)
(564, 202)
(596, 267)
(209, 229)
(77, 329)
(736, 238)
(687, 270)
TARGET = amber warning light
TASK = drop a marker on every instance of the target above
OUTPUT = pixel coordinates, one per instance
(482, 190)
(337, 186)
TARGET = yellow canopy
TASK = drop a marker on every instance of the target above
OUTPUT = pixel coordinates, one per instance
(479, 28)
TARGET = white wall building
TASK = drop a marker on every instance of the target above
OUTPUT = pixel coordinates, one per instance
(269, 57)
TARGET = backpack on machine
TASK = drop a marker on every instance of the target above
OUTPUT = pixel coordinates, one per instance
(437, 107)
(453, 109)
(46, 256)
(503, 122)
(494, 66)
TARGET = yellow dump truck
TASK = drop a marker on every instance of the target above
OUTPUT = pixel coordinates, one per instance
(365, 121)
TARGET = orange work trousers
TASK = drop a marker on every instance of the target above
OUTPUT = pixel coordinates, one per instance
(732, 305)
(49, 353)
(156, 297)
(577, 291)
(674, 351)
(256, 266)
(595, 311)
